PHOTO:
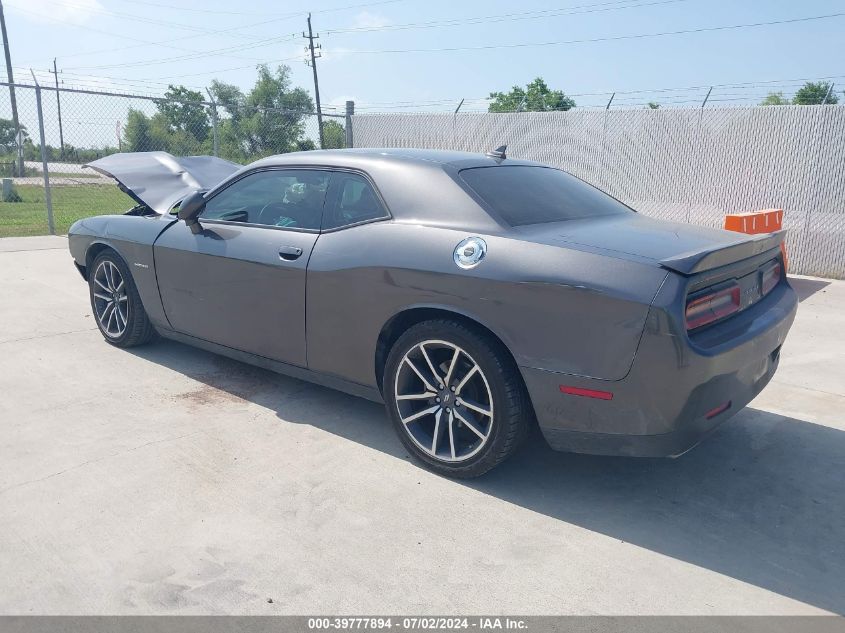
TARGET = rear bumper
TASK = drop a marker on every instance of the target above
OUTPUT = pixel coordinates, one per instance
(674, 394)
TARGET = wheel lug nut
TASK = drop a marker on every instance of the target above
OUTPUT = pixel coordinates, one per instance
(437, 399)
(452, 387)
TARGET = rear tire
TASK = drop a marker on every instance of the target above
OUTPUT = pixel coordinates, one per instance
(455, 398)
(116, 304)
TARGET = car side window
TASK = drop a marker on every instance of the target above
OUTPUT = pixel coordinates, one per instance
(290, 198)
(353, 200)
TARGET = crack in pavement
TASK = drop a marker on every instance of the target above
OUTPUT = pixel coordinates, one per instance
(33, 338)
(792, 384)
(33, 250)
(99, 459)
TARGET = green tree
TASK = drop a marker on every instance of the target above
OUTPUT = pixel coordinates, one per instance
(184, 114)
(139, 135)
(334, 135)
(149, 134)
(774, 98)
(653, 105)
(269, 119)
(813, 93)
(537, 97)
(8, 142)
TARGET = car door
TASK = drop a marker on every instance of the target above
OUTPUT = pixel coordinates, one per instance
(347, 290)
(240, 280)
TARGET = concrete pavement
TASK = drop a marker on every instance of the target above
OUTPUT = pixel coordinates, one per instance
(168, 480)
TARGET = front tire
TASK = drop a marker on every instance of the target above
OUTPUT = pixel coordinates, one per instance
(455, 398)
(117, 307)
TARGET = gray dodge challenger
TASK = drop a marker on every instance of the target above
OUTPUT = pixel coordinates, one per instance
(474, 295)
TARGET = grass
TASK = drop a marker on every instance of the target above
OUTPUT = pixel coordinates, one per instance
(70, 203)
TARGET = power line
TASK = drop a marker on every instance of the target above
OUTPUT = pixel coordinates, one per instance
(224, 70)
(194, 54)
(107, 82)
(217, 12)
(193, 27)
(228, 30)
(142, 42)
(110, 79)
(98, 10)
(196, 10)
(595, 39)
(509, 17)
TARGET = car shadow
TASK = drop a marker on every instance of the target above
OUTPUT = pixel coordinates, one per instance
(806, 288)
(762, 500)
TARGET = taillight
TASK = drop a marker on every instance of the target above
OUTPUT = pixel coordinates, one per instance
(712, 305)
(769, 278)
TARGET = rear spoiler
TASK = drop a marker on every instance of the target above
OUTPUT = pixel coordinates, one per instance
(696, 262)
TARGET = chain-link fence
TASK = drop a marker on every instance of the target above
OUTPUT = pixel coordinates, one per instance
(691, 165)
(688, 165)
(79, 126)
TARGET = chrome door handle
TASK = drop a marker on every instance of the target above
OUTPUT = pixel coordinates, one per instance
(290, 253)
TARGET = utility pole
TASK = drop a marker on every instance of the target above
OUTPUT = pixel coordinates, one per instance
(311, 37)
(59, 108)
(12, 99)
(827, 95)
(215, 138)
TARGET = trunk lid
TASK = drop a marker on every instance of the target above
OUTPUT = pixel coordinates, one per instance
(159, 180)
(683, 248)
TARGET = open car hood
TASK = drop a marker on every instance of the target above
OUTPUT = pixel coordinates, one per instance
(159, 180)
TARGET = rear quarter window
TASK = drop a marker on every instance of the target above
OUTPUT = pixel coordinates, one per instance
(523, 194)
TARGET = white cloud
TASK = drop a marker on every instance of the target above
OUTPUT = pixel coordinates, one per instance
(296, 54)
(73, 11)
(335, 53)
(368, 20)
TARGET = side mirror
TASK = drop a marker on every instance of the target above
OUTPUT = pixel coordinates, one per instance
(190, 208)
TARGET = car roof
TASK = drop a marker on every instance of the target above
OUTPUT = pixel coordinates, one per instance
(359, 157)
(419, 186)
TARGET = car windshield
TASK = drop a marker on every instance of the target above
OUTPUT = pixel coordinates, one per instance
(524, 194)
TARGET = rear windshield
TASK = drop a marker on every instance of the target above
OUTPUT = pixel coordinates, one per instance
(531, 195)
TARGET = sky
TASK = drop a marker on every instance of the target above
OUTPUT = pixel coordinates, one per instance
(400, 55)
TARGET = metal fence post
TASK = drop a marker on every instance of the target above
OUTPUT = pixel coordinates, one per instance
(350, 110)
(603, 170)
(47, 196)
(455, 124)
(214, 123)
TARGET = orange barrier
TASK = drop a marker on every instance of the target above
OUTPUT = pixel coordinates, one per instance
(754, 222)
